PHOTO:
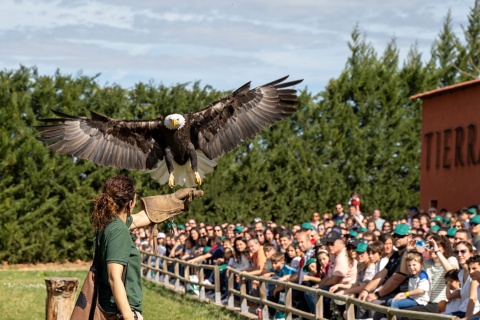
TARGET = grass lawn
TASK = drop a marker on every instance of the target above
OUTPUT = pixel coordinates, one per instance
(23, 294)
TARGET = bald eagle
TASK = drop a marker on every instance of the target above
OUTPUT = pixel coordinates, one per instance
(178, 149)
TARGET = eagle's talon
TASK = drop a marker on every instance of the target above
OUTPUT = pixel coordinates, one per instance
(198, 179)
(171, 181)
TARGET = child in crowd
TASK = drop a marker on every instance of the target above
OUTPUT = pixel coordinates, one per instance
(323, 262)
(295, 263)
(282, 272)
(452, 292)
(418, 284)
(311, 276)
(355, 200)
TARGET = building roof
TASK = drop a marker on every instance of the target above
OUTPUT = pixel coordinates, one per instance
(431, 93)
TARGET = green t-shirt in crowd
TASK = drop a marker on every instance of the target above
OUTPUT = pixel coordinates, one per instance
(115, 245)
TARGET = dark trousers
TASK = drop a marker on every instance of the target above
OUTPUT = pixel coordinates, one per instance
(430, 307)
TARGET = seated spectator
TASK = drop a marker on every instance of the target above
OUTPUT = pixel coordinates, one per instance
(464, 251)
(474, 270)
(390, 280)
(453, 295)
(365, 272)
(418, 284)
(439, 259)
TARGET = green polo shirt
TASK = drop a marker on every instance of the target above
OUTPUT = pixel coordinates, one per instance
(116, 246)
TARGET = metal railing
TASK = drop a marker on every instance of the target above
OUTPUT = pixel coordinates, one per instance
(161, 274)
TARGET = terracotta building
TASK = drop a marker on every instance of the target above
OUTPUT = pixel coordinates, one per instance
(450, 154)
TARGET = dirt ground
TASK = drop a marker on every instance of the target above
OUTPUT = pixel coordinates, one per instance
(60, 266)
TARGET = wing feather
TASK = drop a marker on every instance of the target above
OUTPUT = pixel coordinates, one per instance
(127, 144)
(226, 123)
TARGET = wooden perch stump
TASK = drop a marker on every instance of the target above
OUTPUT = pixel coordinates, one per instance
(61, 293)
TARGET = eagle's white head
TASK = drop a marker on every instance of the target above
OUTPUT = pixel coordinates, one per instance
(174, 121)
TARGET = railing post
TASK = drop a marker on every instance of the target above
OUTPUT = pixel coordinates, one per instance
(288, 302)
(201, 278)
(166, 277)
(187, 278)
(263, 297)
(231, 286)
(149, 263)
(319, 305)
(218, 293)
(390, 316)
(350, 309)
(176, 269)
(157, 266)
(243, 293)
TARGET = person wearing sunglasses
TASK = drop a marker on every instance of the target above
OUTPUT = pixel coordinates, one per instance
(475, 229)
(464, 251)
(390, 280)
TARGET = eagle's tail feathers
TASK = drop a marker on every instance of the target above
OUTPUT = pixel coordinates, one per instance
(184, 175)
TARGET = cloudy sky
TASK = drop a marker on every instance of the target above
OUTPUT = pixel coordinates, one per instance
(222, 43)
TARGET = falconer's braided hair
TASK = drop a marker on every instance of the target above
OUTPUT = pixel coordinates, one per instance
(117, 192)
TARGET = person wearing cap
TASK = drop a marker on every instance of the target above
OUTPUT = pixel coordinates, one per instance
(343, 270)
(475, 229)
(161, 243)
(390, 280)
(411, 212)
(451, 235)
(238, 231)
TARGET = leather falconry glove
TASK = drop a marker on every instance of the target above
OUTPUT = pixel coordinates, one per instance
(162, 207)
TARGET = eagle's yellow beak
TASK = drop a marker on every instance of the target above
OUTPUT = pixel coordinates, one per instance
(175, 122)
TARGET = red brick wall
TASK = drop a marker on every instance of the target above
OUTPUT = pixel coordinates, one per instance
(450, 156)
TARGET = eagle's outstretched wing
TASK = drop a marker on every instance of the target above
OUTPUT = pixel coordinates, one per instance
(226, 123)
(127, 144)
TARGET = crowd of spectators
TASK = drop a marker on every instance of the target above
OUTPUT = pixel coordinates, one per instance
(426, 261)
